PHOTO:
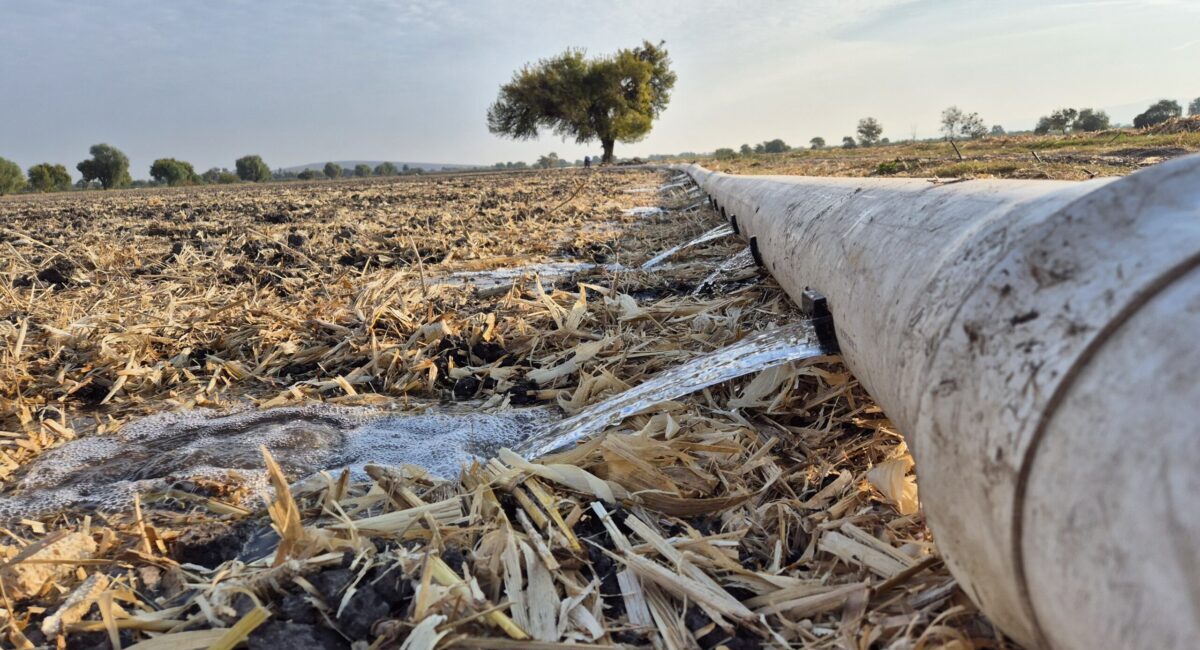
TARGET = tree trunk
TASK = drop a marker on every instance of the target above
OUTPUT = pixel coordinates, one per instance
(608, 152)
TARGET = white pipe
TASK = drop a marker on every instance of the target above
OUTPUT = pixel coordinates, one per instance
(1036, 342)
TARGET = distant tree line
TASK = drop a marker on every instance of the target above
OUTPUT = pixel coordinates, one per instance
(958, 125)
(108, 168)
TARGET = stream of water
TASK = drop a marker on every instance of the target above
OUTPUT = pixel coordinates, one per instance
(724, 230)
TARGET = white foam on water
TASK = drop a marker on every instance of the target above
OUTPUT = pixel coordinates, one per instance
(158, 451)
(548, 272)
(740, 260)
(643, 211)
(723, 230)
(164, 450)
(758, 351)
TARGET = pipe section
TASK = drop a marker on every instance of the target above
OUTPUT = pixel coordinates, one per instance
(1036, 342)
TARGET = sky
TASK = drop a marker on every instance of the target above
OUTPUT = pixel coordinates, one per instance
(313, 80)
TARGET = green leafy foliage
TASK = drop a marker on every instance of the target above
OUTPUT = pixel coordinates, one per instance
(217, 176)
(725, 153)
(173, 172)
(746, 150)
(309, 175)
(548, 161)
(610, 99)
(1194, 107)
(869, 130)
(333, 170)
(252, 168)
(776, 146)
(817, 143)
(108, 165)
(12, 179)
(1159, 112)
(46, 177)
(362, 171)
(848, 143)
(1090, 120)
(386, 169)
(958, 124)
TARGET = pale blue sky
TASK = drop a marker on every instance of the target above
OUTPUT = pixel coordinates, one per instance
(307, 81)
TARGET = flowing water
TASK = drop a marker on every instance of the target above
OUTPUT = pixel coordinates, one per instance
(172, 449)
(739, 260)
(643, 211)
(156, 452)
(723, 230)
(759, 351)
(549, 273)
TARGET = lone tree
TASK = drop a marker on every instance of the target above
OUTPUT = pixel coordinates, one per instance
(49, 178)
(1090, 120)
(386, 169)
(108, 165)
(549, 161)
(253, 169)
(998, 130)
(869, 130)
(1159, 112)
(362, 171)
(745, 150)
(817, 143)
(173, 172)
(775, 146)
(608, 99)
(12, 179)
(959, 125)
(1059, 121)
(1194, 107)
(848, 143)
(332, 170)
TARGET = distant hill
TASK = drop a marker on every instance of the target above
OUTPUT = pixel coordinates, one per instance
(350, 164)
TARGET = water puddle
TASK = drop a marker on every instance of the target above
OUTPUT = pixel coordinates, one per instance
(740, 260)
(758, 351)
(156, 452)
(643, 211)
(549, 273)
(723, 230)
(197, 448)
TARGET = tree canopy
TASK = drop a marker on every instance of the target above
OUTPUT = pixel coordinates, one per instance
(362, 170)
(12, 179)
(46, 177)
(817, 143)
(108, 165)
(1159, 112)
(612, 98)
(252, 168)
(386, 169)
(869, 130)
(332, 170)
(724, 153)
(173, 172)
(1194, 107)
(957, 124)
(1090, 119)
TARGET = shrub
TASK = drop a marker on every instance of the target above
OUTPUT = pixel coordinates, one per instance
(49, 178)
(1159, 112)
(173, 172)
(252, 168)
(889, 167)
(362, 171)
(332, 170)
(12, 179)
(724, 153)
